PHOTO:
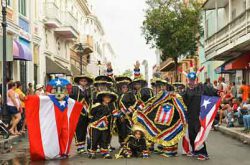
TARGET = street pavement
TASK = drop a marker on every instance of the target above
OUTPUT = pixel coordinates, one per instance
(223, 150)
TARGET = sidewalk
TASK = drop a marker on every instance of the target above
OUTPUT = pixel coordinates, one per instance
(235, 133)
(6, 144)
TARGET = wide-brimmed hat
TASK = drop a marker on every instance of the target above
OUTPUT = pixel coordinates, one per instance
(123, 80)
(145, 94)
(112, 95)
(39, 86)
(103, 80)
(158, 82)
(140, 80)
(138, 128)
(79, 77)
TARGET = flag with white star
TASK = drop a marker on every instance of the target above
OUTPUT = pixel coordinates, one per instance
(209, 107)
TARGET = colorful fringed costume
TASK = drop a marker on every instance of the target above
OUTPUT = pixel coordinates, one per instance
(164, 121)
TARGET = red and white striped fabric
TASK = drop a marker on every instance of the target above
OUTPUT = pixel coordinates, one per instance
(50, 130)
(165, 114)
(186, 146)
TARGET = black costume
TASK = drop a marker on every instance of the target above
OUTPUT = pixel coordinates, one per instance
(134, 147)
(100, 122)
(100, 134)
(127, 104)
(137, 146)
(192, 99)
(83, 96)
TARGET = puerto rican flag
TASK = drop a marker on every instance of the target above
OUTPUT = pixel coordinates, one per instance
(165, 114)
(209, 108)
(51, 126)
(186, 146)
(101, 123)
(115, 113)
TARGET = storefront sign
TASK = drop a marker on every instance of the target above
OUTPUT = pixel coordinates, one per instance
(25, 35)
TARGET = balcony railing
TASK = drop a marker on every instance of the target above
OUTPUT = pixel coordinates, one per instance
(52, 12)
(229, 34)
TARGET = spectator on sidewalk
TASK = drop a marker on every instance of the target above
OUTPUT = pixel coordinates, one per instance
(228, 96)
(39, 90)
(246, 117)
(222, 86)
(14, 108)
(215, 84)
(22, 96)
(30, 90)
(244, 90)
(234, 89)
(227, 113)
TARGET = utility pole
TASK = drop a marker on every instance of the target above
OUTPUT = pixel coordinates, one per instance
(4, 85)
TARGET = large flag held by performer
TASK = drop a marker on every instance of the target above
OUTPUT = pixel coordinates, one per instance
(209, 109)
(164, 119)
(51, 128)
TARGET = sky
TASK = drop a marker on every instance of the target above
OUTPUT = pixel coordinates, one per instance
(122, 21)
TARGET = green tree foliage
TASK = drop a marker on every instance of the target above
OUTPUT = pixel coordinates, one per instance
(173, 27)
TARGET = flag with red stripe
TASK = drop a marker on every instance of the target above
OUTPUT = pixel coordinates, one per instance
(165, 114)
(209, 108)
(50, 128)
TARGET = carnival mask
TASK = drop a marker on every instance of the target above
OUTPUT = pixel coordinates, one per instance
(59, 87)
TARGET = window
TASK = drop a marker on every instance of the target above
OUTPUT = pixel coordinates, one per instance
(22, 7)
(23, 73)
(9, 2)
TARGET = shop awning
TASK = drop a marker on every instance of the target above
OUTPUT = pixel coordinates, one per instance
(221, 69)
(242, 62)
(53, 67)
(21, 51)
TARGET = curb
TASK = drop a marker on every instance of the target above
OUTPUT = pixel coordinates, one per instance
(6, 144)
(234, 134)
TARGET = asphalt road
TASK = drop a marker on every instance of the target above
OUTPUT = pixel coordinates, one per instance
(223, 151)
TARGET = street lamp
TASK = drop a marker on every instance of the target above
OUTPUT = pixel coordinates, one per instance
(80, 50)
(99, 65)
(4, 85)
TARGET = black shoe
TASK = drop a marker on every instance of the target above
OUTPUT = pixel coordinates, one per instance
(92, 156)
(108, 156)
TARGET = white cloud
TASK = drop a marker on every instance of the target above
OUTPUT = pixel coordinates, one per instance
(122, 20)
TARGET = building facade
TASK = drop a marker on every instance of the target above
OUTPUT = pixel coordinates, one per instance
(226, 35)
(43, 39)
(23, 40)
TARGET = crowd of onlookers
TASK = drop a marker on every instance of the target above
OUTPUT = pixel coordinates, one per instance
(235, 105)
(15, 104)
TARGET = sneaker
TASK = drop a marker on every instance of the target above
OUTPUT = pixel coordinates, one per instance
(202, 157)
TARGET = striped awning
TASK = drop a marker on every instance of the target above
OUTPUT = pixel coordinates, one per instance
(21, 51)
